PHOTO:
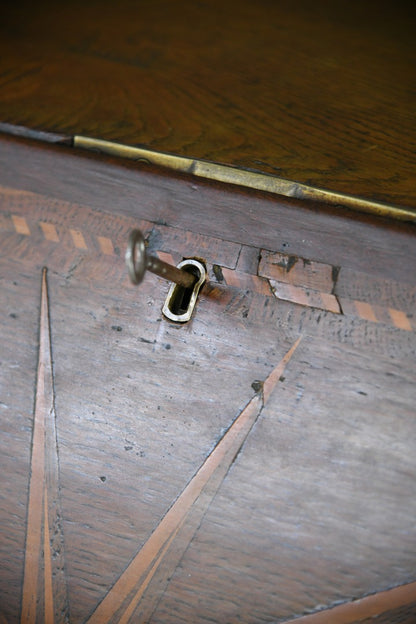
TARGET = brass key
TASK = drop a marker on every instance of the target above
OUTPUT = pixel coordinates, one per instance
(138, 261)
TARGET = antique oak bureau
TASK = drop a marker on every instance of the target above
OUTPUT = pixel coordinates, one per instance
(255, 463)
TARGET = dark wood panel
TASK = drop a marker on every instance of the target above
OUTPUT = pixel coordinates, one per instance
(250, 218)
(253, 465)
(321, 93)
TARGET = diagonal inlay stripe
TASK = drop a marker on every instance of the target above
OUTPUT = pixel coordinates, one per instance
(271, 381)
(159, 555)
(44, 597)
(364, 609)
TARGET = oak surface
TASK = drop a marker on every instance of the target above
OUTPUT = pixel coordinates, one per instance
(254, 465)
(320, 93)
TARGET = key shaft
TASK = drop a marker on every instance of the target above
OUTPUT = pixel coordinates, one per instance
(138, 261)
(170, 272)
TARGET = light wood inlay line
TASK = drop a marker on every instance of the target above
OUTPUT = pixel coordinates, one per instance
(140, 572)
(37, 473)
(137, 572)
(132, 606)
(363, 609)
(272, 380)
(44, 596)
(288, 278)
(49, 618)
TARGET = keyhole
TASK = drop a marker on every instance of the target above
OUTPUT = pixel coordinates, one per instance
(181, 301)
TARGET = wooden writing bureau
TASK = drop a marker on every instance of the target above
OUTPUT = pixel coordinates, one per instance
(257, 463)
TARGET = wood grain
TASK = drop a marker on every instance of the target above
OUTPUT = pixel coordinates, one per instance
(145, 565)
(315, 504)
(394, 606)
(320, 93)
(252, 219)
(294, 275)
(44, 594)
(265, 527)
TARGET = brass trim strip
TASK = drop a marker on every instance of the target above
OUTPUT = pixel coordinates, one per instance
(249, 179)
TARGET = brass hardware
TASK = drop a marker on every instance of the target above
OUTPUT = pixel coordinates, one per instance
(180, 302)
(250, 179)
(188, 277)
(138, 261)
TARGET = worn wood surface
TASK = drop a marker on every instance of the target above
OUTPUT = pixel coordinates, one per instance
(389, 607)
(320, 93)
(254, 465)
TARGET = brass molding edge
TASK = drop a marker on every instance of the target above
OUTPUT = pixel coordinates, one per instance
(241, 177)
